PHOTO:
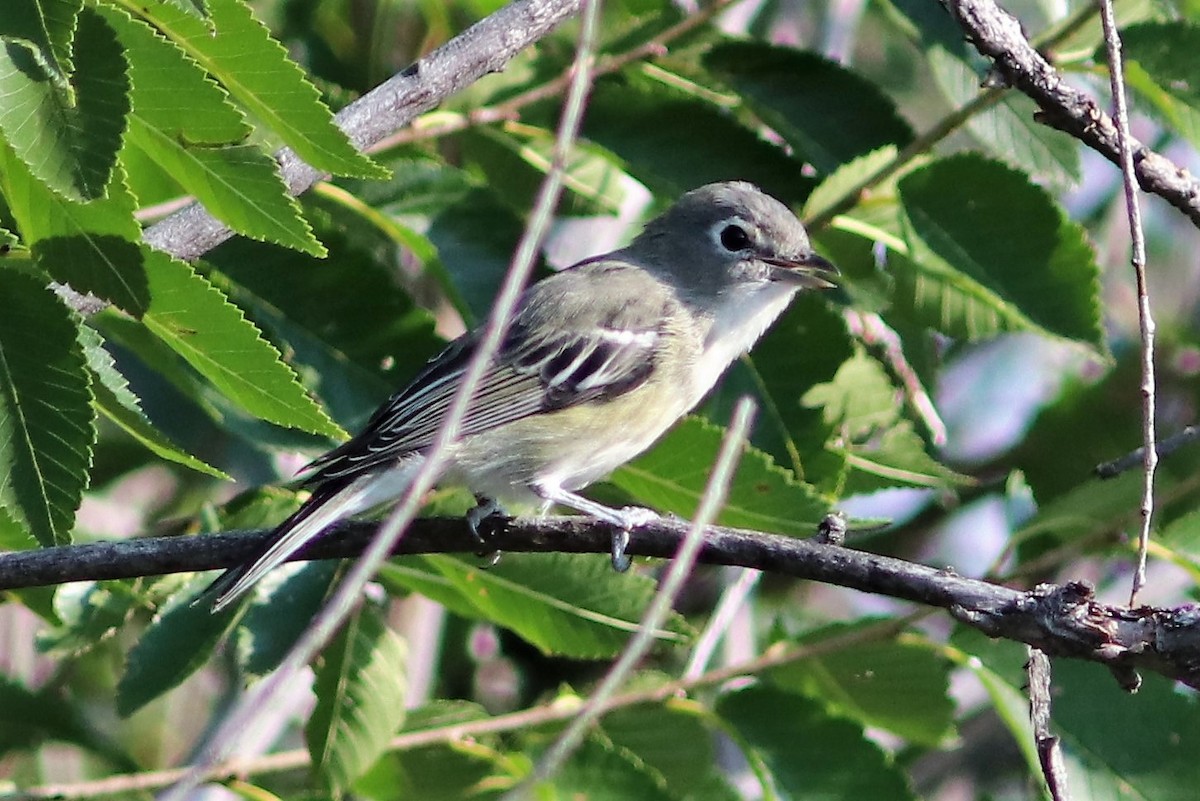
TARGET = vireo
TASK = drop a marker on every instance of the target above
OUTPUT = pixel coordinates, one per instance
(600, 360)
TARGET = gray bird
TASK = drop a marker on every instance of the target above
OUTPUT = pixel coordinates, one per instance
(600, 360)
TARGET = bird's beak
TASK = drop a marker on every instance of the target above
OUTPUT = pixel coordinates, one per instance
(807, 272)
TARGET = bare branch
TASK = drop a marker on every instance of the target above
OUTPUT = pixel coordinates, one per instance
(1049, 748)
(483, 48)
(997, 35)
(1062, 620)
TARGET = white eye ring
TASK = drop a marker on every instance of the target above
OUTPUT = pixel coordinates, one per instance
(732, 235)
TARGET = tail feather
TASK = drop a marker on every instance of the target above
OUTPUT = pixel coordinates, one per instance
(318, 513)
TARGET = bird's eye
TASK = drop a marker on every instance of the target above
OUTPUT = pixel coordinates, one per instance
(734, 238)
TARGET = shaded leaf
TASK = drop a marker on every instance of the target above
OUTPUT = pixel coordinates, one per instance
(29, 718)
(599, 772)
(47, 426)
(565, 604)
(360, 690)
(46, 27)
(263, 636)
(807, 753)
(827, 113)
(197, 321)
(89, 246)
(642, 124)
(997, 260)
(116, 401)
(901, 686)
(179, 639)
(763, 496)
(68, 137)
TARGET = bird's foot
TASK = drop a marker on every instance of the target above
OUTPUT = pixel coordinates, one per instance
(485, 510)
(628, 518)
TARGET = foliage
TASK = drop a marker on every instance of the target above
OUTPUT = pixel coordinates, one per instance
(943, 202)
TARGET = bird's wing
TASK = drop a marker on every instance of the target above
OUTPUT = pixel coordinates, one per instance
(599, 352)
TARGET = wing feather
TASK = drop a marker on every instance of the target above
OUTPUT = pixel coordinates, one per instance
(598, 354)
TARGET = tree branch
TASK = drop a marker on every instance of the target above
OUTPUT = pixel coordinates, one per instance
(997, 35)
(1061, 620)
(485, 47)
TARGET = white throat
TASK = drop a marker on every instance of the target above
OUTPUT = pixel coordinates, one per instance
(743, 316)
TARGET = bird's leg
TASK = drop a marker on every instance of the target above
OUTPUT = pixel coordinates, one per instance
(625, 519)
(484, 508)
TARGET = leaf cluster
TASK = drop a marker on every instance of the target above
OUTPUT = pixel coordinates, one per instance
(134, 387)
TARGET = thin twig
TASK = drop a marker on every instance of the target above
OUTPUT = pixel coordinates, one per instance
(1049, 749)
(1112, 42)
(349, 592)
(732, 598)
(1164, 447)
(551, 712)
(711, 502)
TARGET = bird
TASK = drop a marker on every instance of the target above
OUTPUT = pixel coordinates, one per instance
(599, 361)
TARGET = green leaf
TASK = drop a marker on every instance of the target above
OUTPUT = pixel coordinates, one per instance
(804, 348)
(644, 124)
(900, 686)
(47, 426)
(1167, 51)
(600, 772)
(671, 738)
(263, 636)
(28, 718)
(185, 123)
(89, 613)
(116, 401)
(179, 639)
(763, 496)
(827, 113)
(46, 27)
(565, 604)
(898, 457)
(88, 246)
(69, 138)
(517, 158)
(859, 400)
(992, 252)
(196, 320)
(808, 753)
(239, 52)
(1121, 745)
(838, 187)
(360, 690)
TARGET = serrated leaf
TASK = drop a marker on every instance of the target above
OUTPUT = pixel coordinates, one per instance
(565, 604)
(642, 124)
(600, 772)
(672, 739)
(185, 123)
(46, 27)
(1119, 745)
(179, 639)
(992, 252)
(899, 686)
(360, 691)
(116, 401)
(672, 476)
(256, 70)
(897, 457)
(808, 753)
(68, 139)
(838, 187)
(827, 113)
(263, 636)
(47, 426)
(859, 399)
(91, 247)
(197, 321)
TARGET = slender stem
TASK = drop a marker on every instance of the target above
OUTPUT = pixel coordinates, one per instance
(1112, 41)
(732, 598)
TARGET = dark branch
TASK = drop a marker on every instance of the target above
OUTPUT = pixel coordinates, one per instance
(1061, 620)
(997, 35)
(483, 48)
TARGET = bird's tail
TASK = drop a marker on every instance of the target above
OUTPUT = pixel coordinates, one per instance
(319, 512)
